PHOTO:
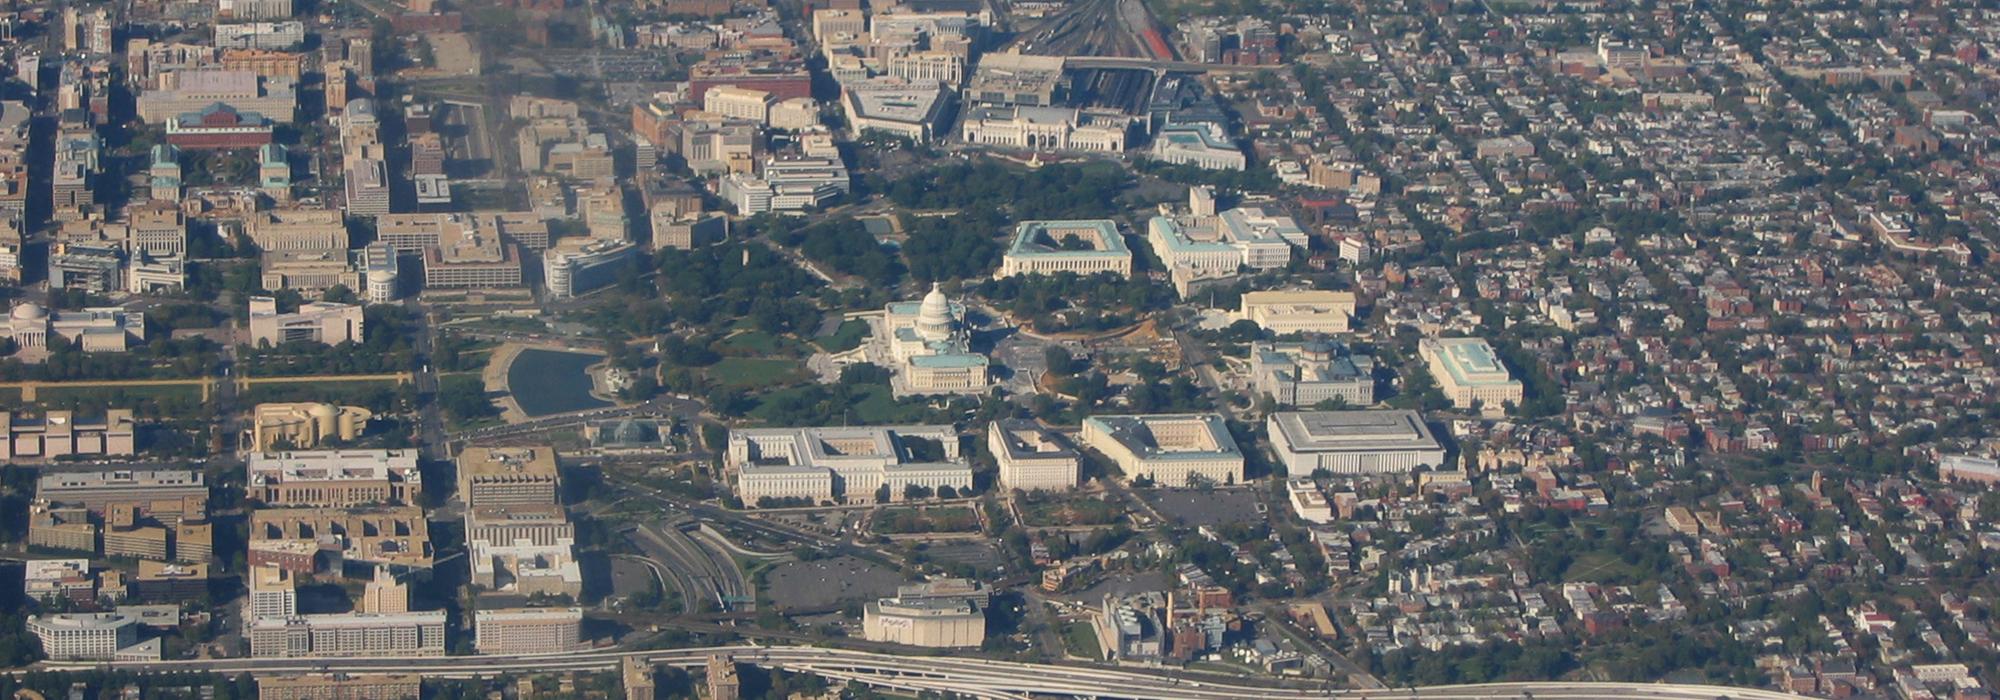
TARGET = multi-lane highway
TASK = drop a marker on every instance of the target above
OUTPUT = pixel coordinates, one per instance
(967, 676)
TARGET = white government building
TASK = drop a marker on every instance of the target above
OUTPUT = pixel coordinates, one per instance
(823, 464)
(1305, 311)
(1470, 374)
(1169, 449)
(1045, 129)
(930, 349)
(1084, 247)
(1031, 457)
(1353, 442)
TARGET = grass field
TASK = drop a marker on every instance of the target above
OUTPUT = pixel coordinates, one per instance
(1081, 641)
(761, 344)
(847, 337)
(57, 394)
(753, 372)
(1598, 566)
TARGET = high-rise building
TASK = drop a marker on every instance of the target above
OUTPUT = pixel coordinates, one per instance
(385, 594)
(273, 594)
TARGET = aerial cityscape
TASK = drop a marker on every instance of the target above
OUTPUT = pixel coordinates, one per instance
(999, 349)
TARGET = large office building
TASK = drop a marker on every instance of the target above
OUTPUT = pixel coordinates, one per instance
(296, 230)
(1169, 450)
(508, 476)
(1205, 244)
(1308, 373)
(1082, 247)
(787, 183)
(339, 686)
(86, 636)
(821, 464)
(191, 91)
(948, 613)
(1203, 145)
(304, 426)
(349, 635)
(528, 630)
(575, 266)
(63, 433)
(1007, 79)
(1353, 442)
(314, 322)
(170, 493)
(307, 540)
(912, 109)
(1470, 374)
(523, 550)
(36, 331)
(1031, 457)
(1305, 311)
(472, 261)
(413, 233)
(334, 478)
(930, 348)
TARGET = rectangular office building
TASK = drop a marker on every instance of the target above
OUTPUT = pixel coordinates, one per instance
(1354, 442)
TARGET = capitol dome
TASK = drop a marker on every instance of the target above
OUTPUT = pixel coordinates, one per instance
(29, 311)
(934, 320)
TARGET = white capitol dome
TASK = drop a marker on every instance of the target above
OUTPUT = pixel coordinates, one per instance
(29, 311)
(934, 319)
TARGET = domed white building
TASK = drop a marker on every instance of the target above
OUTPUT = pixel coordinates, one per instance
(35, 329)
(930, 349)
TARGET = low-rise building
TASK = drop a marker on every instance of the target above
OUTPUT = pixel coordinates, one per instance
(334, 478)
(1031, 457)
(409, 634)
(314, 322)
(304, 426)
(1307, 311)
(1312, 372)
(85, 636)
(63, 433)
(306, 540)
(528, 630)
(820, 464)
(1353, 442)
(35, 331)
(940, 614)
(1470, 374)
(339, 686)
(912, 109)
(1168, 449)
(1081, 247)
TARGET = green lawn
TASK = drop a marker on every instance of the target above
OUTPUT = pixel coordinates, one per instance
(1597, 566)
(1080, 640)
(880, 407)
(57, 395)
(752, 372)
(847, 337)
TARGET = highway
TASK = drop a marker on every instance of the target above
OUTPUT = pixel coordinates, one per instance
(968, 676)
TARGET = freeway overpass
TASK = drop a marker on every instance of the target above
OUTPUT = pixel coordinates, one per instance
(981, 678)
(1159, 66)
